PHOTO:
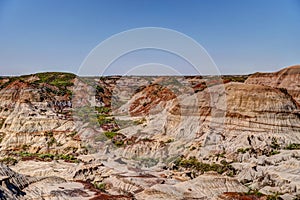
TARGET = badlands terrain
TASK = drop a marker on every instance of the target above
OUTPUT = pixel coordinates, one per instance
(175, 138)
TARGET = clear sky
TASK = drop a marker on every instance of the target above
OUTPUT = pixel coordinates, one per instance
(242, 36)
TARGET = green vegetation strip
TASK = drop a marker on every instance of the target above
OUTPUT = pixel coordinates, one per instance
(69, 158)
(110, 134)
(292, 146)
(193, 163)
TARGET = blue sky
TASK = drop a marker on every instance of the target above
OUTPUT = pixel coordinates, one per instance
(56, 35)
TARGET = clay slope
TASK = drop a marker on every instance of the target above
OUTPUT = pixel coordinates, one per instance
(287, 78)
(261, 108)
(254, 115)
(17, 186)
(231, 108)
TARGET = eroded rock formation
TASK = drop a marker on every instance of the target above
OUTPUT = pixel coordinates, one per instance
(227, 137)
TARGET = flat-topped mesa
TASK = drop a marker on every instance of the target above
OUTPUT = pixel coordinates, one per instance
(287, 78)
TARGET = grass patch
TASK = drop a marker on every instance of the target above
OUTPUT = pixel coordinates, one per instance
(110, 134)
(57, 79)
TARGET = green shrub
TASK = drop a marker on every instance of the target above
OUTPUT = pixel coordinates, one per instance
(110, 134)
(241, 150)
(193, 148)
(99, 89)
(102, 109)
(254, 192)
(293, 146)
(274, 143)
(69, 158)
(102, 120)
(49, 134)
(9, 161)
(87, 114)
(72, 134)
(2, 135)
(25, 147)
(1, 123)
(140, 121)
(100, 186)
(66, 157)
(273, 152)
(26, 154)
(169, 141)
(221, 155)
(118, 143)
(58, 79)
(232, 78)
(51, 141)
(274, 196)
(45, 156)
(11, 79)
(193, 163)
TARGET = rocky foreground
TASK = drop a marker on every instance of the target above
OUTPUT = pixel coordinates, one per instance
(229, 137)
